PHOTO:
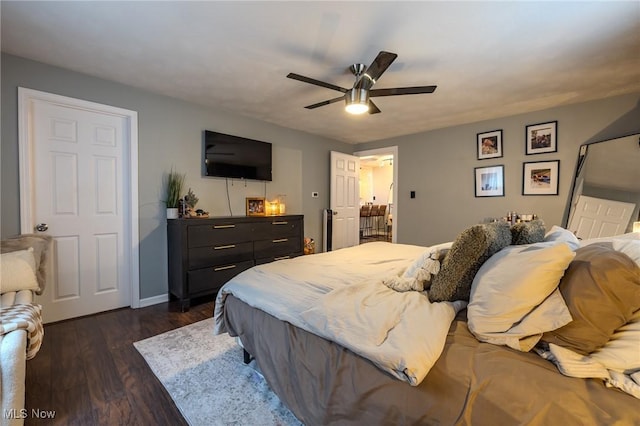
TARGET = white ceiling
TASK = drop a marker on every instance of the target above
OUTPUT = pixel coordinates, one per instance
(488, 59)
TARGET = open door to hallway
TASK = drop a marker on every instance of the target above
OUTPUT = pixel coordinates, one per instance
(378, 192)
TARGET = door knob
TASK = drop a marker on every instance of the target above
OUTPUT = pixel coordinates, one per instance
(42, 227)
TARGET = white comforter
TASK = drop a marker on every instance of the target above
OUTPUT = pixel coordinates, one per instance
(340, 296)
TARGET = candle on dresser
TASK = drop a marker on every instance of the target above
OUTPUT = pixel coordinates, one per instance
(273, 208)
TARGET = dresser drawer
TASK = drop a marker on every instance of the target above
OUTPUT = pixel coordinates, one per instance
(277, 228)
(270, 259)
(209, 280)
(218, 233)
(277, 247)
(220, 254)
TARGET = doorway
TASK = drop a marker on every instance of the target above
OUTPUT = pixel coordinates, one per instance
(78, 184)
(378, 192)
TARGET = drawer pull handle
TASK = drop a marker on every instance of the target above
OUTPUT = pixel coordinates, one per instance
(230, 246)
(282, 258)
(222, 268)
(281, 240)
(223, 226)
(283, 222)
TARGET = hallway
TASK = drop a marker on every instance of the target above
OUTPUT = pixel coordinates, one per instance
(375, 223)
(377, 175)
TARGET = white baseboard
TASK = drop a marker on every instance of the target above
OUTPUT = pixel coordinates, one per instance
(154, 300)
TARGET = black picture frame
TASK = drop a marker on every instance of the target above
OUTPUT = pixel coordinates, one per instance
(541, 138)
(489, 181)
(489, 144)
(540, 177)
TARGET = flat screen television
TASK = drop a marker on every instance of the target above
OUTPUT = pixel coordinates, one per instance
(236, 157)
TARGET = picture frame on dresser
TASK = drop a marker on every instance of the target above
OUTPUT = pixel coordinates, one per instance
(256, 206)
(540, 177)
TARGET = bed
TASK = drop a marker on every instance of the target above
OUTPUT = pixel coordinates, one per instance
(347, 337)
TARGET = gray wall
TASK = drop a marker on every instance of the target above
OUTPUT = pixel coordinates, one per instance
(170, 134)
(439, 166)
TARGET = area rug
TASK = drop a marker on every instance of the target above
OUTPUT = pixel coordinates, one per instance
(208, 380)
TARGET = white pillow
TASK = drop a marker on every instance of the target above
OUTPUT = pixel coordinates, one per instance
(18, 271)
(629, 247)
(627, 236)
(622, 352)
(558, 234)
(510, 295)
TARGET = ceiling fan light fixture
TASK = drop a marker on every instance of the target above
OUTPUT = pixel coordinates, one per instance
(357, 101)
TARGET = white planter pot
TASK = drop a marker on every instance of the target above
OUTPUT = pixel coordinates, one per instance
(172, 213)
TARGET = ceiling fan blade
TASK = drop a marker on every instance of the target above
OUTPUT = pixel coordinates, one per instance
(316, 82)
(402, 91)
(373, 109)
(323, 103)
(375, 70)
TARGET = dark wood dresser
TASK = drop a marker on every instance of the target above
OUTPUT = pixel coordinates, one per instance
(206, 253)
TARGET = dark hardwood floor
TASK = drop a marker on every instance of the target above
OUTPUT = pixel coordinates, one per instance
(88, 372)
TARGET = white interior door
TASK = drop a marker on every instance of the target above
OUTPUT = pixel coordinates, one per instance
(77, 163)
(345, 172)
(598, 217)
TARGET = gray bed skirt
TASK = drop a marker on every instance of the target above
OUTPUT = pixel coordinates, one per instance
(472, 383)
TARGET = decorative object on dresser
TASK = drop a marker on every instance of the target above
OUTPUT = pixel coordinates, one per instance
(256, 206)
(188, 206)
(205, 254)
(173, 187)
(277, 206)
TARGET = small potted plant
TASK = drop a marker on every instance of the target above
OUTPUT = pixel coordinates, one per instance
(174, 187)
(190, 201)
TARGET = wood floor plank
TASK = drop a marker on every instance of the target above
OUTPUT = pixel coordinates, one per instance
(116, 412)
(89, 372)
(68, 372)
(73, 405)
(104, 384)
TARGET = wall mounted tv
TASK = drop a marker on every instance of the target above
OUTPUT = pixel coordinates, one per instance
(236, 157)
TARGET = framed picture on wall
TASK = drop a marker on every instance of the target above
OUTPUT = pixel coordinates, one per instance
(490, 144)
(540, 177)
(541, 138)
(489, 181)
(256, 206)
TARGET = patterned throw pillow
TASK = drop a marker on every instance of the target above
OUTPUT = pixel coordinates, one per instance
(528, 232)
(471, 248)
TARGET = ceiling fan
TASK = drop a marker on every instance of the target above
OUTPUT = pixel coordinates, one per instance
(357, 99)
